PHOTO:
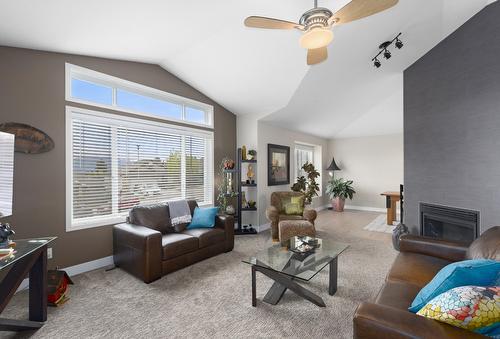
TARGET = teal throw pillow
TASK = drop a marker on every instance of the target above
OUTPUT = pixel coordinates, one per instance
(203, 217)
(477, 272)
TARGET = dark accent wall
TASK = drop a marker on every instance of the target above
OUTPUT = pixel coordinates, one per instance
(452, 123)
(32, 91)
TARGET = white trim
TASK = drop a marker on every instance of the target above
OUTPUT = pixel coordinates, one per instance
(85, 74)
(77, 269)
(365, 208)
(262, 228)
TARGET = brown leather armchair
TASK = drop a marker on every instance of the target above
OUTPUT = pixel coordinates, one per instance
(276, 212)
(417, 263)
(147, 247)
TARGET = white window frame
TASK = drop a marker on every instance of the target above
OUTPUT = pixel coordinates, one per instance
(98, 78)
(99, 117)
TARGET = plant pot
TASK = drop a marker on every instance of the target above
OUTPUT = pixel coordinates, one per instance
(338, 204)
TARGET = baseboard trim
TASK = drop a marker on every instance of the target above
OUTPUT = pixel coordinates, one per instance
(264, 227)
(365, 208)
(359, 208)
(78, 269)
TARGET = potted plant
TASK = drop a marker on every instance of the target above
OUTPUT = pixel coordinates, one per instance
(339, 190)
(308, 185)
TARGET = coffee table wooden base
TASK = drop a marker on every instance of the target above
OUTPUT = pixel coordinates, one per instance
(282, 282)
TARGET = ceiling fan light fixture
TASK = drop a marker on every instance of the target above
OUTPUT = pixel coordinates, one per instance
(316, 37)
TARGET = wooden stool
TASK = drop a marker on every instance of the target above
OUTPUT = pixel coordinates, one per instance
(294, 228)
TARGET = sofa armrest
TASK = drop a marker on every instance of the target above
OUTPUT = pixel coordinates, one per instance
(310, 215)
(137, 249)
(380, 321)
(226, 222)
(273, 214)
(434, 247)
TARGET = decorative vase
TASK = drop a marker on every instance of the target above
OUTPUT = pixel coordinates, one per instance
(230, 210)
(400, 230)
(338, 204)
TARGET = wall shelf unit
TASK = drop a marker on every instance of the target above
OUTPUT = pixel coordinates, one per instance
(243, 229)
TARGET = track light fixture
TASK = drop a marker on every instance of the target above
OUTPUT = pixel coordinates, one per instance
(385, 51)
(399, 44)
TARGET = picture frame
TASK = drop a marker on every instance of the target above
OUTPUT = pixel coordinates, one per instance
(278, 165)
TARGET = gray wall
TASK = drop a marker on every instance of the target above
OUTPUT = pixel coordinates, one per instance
(32, 92)
(452, 122)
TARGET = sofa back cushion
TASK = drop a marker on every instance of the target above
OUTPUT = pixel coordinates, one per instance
(487, 246)
(156, 217)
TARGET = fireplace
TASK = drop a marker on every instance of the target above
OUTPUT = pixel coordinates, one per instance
(448, 223)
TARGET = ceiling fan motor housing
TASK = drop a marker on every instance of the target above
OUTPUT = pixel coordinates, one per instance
(316, 17)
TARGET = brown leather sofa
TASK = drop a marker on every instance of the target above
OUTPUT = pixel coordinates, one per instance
(147, 247)
(419, 261)
(276, 212)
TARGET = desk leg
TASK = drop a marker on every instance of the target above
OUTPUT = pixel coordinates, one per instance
(391, 210)
(38, 288)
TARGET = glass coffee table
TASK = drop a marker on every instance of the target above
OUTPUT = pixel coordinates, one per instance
(300, 260)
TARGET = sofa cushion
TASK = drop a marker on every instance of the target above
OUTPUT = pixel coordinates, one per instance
(397, 294)
(176, 244)
(473, 308)
(206, 236)
(156, 217)
(487, 246)
(477, 272)
(414, 268)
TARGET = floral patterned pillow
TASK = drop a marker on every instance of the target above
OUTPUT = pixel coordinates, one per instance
(470, 307)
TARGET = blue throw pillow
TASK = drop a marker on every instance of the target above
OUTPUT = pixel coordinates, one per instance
(203, 217)
(477, 272)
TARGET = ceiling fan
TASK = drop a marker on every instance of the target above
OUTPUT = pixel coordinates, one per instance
(316, 24)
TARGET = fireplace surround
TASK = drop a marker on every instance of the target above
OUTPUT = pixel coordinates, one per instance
(449, 223)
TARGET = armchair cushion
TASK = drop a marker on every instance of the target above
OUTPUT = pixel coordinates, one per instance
(487, 246)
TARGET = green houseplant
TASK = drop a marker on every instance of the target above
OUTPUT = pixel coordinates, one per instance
(308, 185)
(339, 190)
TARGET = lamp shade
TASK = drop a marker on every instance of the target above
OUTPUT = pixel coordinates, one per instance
(333, 166)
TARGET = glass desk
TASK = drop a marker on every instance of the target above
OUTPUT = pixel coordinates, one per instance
(29, 257)
(286, 265)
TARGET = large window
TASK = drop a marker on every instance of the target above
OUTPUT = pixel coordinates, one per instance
(102, 90)
(115, 163)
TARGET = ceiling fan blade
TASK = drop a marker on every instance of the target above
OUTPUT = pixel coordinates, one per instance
(358, 9)
(315, 56)
(270, 23)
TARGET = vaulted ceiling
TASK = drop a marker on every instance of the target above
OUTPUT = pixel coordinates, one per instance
(250, 71)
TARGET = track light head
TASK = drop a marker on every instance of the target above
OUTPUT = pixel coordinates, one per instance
(399, 44)
(387, 54)
(377, 63)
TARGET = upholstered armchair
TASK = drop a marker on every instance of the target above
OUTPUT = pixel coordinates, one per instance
(276, 212)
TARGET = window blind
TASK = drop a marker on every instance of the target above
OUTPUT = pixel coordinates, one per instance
(118, 164)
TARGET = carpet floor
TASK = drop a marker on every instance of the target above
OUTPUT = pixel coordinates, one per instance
(213, 298)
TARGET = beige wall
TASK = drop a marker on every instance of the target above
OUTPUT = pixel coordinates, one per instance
(32, 85)
(270, 134)
(375, 164)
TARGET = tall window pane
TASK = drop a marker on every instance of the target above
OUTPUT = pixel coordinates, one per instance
(92, 191)
(195, 164)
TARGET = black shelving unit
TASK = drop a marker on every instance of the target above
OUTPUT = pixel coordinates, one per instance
(243, 230)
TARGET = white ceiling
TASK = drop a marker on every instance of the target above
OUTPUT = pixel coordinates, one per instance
(250, 71)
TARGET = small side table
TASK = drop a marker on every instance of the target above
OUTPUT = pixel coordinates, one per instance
(30, 256)
(391, 199)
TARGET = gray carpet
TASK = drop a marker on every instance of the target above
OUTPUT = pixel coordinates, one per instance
(213, 297)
